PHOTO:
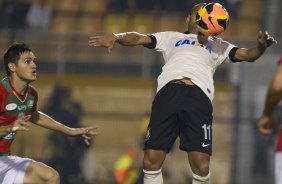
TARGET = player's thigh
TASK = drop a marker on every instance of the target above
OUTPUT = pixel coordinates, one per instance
(12, 169)
(278, 168)
(199, 162)
(163, 128)
(196, 121)
(38, 172)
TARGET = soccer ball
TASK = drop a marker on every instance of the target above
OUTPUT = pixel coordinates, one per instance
(212, 19)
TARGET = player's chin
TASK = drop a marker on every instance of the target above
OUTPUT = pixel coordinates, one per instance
(31, 79)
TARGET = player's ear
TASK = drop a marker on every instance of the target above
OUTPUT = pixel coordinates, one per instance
(188, 19)
(188, 22)
(12, 67)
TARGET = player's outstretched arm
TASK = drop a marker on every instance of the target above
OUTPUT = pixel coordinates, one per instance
(274, 96)
(264, 40)
(45, 121)
(21, 124)
(125, 39)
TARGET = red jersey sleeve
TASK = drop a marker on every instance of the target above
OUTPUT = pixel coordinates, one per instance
(280, 61)
(2, 98)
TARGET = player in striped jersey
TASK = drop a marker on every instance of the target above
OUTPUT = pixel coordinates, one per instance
(182, 106)
(267, 121)
(18, 108)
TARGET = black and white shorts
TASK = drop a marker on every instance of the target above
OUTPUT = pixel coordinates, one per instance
(180, 110)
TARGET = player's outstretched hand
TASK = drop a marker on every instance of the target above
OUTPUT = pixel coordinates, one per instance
(107, 41)
(266, 125)
(87, 133)
(21, 124)
(265, 40)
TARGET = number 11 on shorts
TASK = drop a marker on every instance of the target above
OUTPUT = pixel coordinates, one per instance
(207, 131)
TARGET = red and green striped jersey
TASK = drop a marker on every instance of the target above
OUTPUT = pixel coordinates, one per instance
(12, 105)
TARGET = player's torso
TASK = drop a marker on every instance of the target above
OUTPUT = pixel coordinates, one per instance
(12, 106)
(188, 51)
(187, 57)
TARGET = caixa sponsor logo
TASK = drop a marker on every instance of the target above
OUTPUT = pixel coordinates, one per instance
(194, 43)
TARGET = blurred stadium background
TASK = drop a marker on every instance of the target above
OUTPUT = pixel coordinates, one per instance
(116, 90)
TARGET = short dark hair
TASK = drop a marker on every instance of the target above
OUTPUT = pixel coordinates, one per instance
(13, 54)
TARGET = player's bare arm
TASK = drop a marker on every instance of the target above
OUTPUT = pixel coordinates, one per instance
(274, 96)
(264, 40)
(125, 39)
(45, 121)
(21, 124)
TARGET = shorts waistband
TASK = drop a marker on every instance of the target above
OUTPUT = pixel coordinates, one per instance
(5, 154)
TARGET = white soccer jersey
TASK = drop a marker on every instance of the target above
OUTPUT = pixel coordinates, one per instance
(185, 57)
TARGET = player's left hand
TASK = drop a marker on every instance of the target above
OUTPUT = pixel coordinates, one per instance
(86, 133)
(266, 125)
(265, 40)
(106, 41)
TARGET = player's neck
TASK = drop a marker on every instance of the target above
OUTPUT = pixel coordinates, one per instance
(193, 29)
(18, 85)
(203, 38)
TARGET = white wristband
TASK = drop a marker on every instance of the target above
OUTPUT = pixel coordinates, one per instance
(15, 128)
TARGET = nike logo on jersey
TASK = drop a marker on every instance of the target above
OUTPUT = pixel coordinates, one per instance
(205, 145)
(194, 43)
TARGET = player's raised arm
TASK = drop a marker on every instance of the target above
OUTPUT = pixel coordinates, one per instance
(274, 96)
(264, 40)
(125, 39)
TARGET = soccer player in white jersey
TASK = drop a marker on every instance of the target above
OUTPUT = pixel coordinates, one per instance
(267, 121)
(182, 106)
